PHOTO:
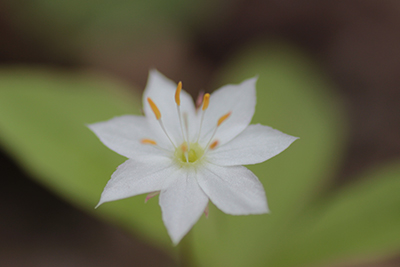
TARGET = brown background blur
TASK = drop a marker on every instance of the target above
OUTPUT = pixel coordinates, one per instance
(356, 42)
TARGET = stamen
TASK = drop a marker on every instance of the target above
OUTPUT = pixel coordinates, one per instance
(214, 144)
(165, 131)
(158, 116)
(220, 121)
(154, 108)
(178, 106)
(206, 101)
(148, 142)
(186, 122)
(223, 118)
(177, 94)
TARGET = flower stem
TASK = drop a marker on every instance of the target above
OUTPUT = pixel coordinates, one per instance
(185, 250)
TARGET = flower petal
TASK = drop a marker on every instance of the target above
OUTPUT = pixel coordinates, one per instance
(162, 91)
(133, 178)
(256, 144)
(182, 204)
(240, 100)
(234, 190)
(124, 134)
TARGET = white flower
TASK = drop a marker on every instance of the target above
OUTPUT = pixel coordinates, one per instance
(191, 155)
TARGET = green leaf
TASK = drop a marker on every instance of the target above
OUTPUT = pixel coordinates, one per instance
(292, 96)
(42, 124)
(361, 222)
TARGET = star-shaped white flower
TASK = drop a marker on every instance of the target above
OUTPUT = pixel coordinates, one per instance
(191, 155)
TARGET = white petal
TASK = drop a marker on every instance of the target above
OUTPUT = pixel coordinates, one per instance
(234, 190)
(162, 91)
(240, 100)
(256, 144)
(124, 134)
(182, 204)
(133, 178)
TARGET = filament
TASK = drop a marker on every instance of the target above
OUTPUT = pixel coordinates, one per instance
(206, 101)
(178, 106)
(220, 121)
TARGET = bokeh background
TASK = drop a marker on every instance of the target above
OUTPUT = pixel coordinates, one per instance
(329, 72)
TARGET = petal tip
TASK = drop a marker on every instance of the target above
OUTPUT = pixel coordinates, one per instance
(176, 237)
(293, 138)
(252, 81)
(154, 71)
(98, 204)
(175, 242)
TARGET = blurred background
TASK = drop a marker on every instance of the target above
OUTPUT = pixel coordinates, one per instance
(353, 47)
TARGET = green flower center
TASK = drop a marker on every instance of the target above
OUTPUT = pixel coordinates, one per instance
(189, 154)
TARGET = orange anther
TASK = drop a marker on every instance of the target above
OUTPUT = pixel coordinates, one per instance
(214, 144)
(154, 108)
(184, 147)
(223, 118)
(177, 94)
(206, 101)
(148, 142)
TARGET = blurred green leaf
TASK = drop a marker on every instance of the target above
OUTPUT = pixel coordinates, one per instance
(42, 124)
(360, 222)
(292, 96)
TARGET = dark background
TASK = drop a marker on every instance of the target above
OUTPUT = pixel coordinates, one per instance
(356, 42)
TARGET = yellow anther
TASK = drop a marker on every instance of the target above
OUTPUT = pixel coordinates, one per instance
(148, 142)
(154, 108)
(206, 101)
(178, 93)
(214, 144)
(223, 118)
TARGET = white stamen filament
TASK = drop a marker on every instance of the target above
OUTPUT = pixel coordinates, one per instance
(178, 105)
(163, 149)
(165, 131)
(157, 113)
(183, 135)
(185, 119)
(209, 141)
(206, 101)
(220, 121)
(201, 124)
(153, 143)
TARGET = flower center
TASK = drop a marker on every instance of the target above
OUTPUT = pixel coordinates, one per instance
(194, 154)
(187, 152)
